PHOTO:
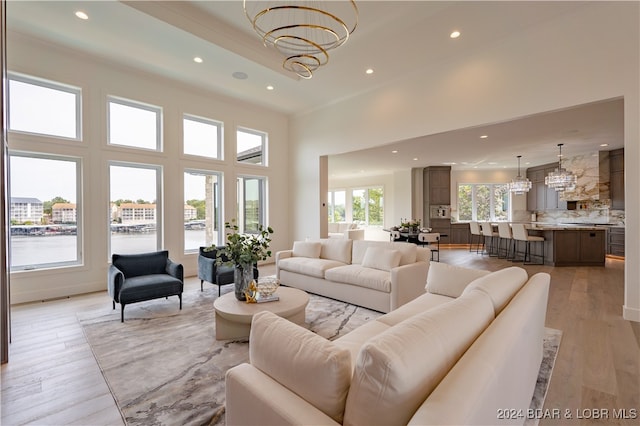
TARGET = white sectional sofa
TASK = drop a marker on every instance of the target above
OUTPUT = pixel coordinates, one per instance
(467, 350)
(349, 231)
(379, 275)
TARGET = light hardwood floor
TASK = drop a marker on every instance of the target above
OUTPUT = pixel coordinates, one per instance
(52, 377)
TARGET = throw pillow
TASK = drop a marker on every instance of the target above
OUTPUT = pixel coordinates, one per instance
(309, 365)
(307, 249)
(381, 258)
(449, 280)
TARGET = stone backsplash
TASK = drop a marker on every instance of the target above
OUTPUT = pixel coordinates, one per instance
(602, 215)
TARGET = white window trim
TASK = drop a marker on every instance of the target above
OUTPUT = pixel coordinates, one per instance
(220, 200)
(220, 130)
(79, 214)
(140, 105)
(265, 143)
(77, 91)
(474, 209)
(159, 200)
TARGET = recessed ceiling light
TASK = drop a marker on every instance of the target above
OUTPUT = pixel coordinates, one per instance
(240, 75)
(604, 144)
(484, 137)
(80, 14)
(455, 34)
(492, 163)
(395, 151)
(197, 60)
(449, 163)
(415, 158)
(270, 87)
(369, 71)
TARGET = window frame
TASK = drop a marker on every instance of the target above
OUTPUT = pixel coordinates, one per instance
(140, 105)
(159, 200)
(366, 197)
(218, 199)
(219, 131)
(265, 142)
(331, 204)
(492, 202)
(79, 213)
(263, 202)
(53, 85)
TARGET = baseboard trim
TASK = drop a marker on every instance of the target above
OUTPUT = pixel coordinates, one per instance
(631, 314)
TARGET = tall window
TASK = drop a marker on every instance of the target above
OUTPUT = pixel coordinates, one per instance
(251, 203)
(44, 107)
(337, 206)
(45, 211)
(483, 202)
(251, 146)
(134, 124)
(202, 137)
(134, 208)
(368, 205)
(202, 213)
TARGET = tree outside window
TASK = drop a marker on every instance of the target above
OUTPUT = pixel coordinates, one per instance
(483, 202)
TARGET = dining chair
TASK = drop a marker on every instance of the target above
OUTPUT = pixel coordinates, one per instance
(488, 232)
(394, 235)
(504, 231)
(474, 228)
(429, 238)
(520, 233)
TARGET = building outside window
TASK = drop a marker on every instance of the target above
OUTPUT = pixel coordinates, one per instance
(483, 202)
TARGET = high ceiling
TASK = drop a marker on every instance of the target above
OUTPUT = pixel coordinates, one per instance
(394, 38)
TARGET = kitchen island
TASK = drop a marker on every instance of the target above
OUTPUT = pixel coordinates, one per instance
(571, 245)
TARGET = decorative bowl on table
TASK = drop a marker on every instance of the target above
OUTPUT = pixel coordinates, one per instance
(267, 286)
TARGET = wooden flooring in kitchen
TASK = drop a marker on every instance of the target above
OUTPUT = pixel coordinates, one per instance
(53, 379)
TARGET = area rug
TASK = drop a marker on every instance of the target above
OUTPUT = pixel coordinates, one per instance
(165, 367)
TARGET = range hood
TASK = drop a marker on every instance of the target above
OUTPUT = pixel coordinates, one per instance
(592, 171)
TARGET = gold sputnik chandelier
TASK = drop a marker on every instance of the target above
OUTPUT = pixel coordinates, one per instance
(303, 31)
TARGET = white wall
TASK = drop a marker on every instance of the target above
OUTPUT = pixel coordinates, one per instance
(586, 56)
(99, 79)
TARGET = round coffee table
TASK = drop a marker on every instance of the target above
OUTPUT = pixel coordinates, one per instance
(233, 317)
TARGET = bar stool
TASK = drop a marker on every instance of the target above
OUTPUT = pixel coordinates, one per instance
(520, 234)
(429, 238)
(474, 227)
(488, 232)
(504, 231)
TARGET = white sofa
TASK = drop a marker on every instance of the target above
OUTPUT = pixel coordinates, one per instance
(379, 275)
(349, 231)
(460, 354)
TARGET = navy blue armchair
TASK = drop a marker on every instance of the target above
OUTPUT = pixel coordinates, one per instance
(137, 277)
(216, 274)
